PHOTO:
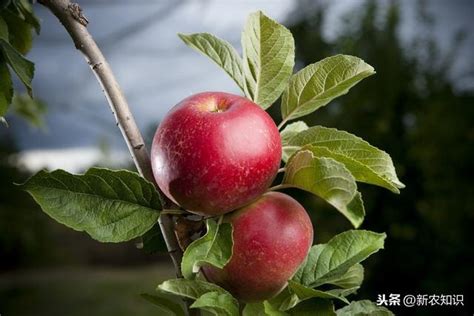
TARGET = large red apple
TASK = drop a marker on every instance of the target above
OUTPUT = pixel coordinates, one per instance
(272, 237)
(215, 152)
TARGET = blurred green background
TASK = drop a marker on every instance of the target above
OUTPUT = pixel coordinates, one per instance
(413, 108)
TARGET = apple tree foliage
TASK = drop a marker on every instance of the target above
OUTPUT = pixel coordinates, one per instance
(117, 206)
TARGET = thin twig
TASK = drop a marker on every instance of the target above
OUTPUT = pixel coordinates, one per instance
(219, 221)
(73, 20)
(282, 123)
(281, 170)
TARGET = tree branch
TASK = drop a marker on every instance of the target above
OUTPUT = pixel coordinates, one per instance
(71, 17)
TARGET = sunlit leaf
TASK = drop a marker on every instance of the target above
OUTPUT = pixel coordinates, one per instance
(214, 248)
(317, 84)
(305, 293)
(290, 131)
(111, 206)
(218, 304)
(192, 289)
(328, 179)
(220, 51)
(268, 59)
(367, 163)
(326, 263)
(352, 278)
(285, 300)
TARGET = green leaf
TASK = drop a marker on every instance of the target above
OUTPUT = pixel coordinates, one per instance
(326, 263)
(305, 293)
(290, 131)
(31, 110)
(214, 248)
(20, 36)
(344, 292)
(285, 300)
(352, 278)
(367, 163)
(262, 309)
(317, 84)
(268, 59)
(6, 88)
(3, 29)
(152, 241)
(272, 311)
(220, 51)
(23, 68)
(111, 206)
(295, 293)
(360, 171)
(329, 180)
(319, 307)
(165, 303)
(217, 304)
(254, 309)
(26, 9)
(363, 308)
(192, 289)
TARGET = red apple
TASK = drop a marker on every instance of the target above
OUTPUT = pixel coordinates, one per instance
(215, 152)
(272, 237)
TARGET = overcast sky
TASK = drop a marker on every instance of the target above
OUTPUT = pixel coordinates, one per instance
(154, 67)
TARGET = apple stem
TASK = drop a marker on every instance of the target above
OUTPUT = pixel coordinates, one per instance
(173, 212)
(280, 187)
(71, 17)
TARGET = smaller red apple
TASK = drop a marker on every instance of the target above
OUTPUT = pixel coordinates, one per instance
(272, 237)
